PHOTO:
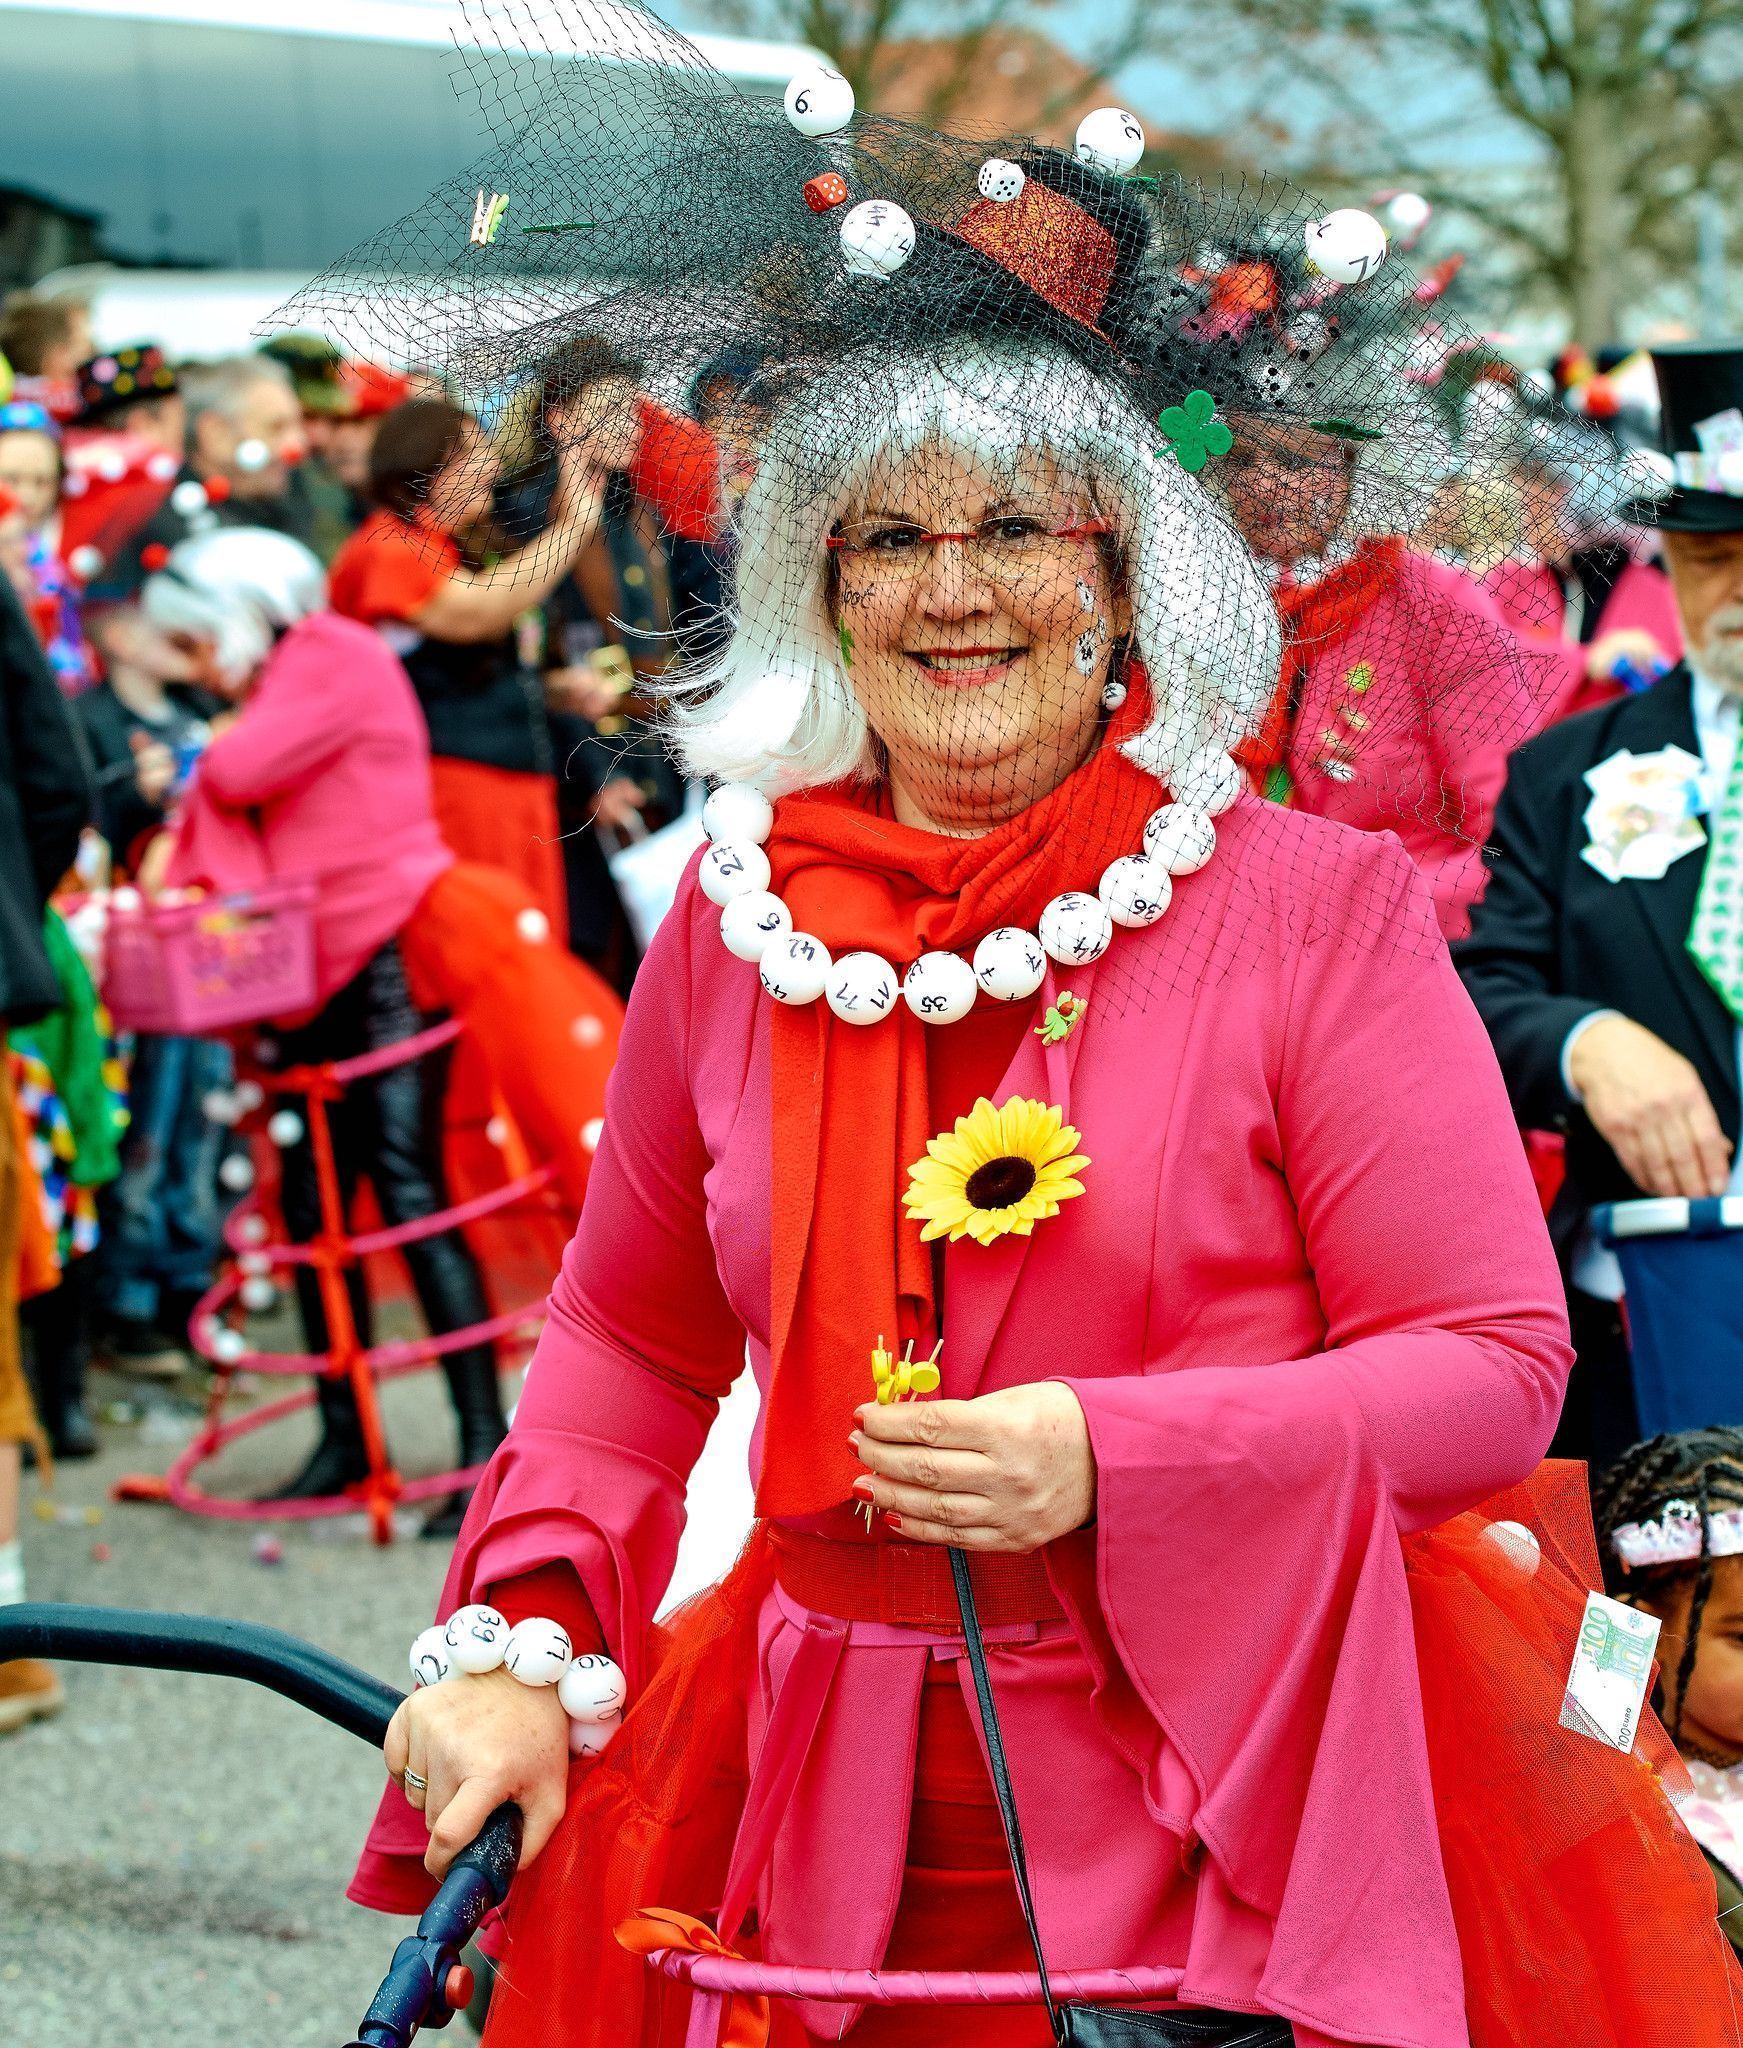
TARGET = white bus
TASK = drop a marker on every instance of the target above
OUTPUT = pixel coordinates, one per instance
(246, 136)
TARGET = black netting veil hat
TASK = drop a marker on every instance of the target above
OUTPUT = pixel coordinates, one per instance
(1139, 359)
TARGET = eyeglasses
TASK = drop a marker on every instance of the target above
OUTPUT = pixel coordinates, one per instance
(999, 546)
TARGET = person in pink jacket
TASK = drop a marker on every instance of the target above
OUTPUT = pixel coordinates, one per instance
(323, 773)
(1109, 1183)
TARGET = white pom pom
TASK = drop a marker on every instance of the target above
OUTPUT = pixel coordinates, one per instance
(1110, 139)
(750, 924)
(249, 1096)
(252, 456)
(257, 1295)
(237, 1173)
(738, 812)
(730, 870)
(85, 562)
(188, 499)
(254, 1262)
(591, 1133)
(538, 1651)
(284, 1127)
(1347, 246)
(593, 1688)
(1076, 929)
(430, 1660)
(1181, 838)
(1210, 782)
(588, 1030)
(940, 987)
(818, 101)
(1135, 890)
(219, 1106)
(476, 1637)
(861, 988)
(229, 1346)
(589, 1738)
(1408, 212)
(877, 237)
(252, 1229)
(533, 926)
(795, 969)
(1001, 179)
(1517, 1543)
(1009, 964)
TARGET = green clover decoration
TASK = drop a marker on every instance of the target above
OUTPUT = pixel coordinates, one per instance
(1193, 431)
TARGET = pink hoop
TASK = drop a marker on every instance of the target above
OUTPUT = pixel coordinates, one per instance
(723, 1974)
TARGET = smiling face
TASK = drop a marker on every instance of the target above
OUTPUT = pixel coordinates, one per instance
(1712, 1710)
(978, 663)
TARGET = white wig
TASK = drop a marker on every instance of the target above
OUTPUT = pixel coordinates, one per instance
(774, 707)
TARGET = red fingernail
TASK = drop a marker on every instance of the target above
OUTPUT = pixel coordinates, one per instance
(895, 1521)
(862, 1486)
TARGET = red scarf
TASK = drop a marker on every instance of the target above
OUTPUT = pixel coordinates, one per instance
(850, 1101)
(1316, 616)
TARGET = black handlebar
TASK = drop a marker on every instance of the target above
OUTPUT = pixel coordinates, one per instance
(425, 1984)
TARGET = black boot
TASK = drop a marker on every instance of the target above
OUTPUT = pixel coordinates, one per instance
(471, 1376)
(58, 1325)
(339, 1460)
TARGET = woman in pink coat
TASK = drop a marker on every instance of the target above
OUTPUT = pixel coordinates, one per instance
(1108, 1180)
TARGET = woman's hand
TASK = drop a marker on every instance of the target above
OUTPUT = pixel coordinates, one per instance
(154, 768)
(1006, 1471)
(476, 1742)
(1627, 644)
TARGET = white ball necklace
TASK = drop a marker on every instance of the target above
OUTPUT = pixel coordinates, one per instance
(1010, 963)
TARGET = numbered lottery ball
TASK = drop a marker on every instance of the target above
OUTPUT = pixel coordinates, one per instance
(593, 1688)
(1180, 838)
(940, 987)
(284, 1127)
(1076, 929)
(538, 1651)
(738, 812)
(1001, 179)
(818, 101)
(877, 238)
(730, 870)
(1135, 890)
(1347, 246)
(1009, 964)
(589, 1738)
(1516, 1543)
(430, 1659)
(749, 925)
(795, 969)
(476, 1637)
(1210, 782)
(861, 988)
(1110, 139)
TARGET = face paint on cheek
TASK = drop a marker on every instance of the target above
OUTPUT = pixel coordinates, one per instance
(1087, 652)
(1085, 595)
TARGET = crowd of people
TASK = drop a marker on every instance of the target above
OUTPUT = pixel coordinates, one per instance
(291, 614)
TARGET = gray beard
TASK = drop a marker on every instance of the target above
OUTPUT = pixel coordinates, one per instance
(1721, 659)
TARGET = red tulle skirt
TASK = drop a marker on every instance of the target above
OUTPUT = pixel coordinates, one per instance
(1585, 1912)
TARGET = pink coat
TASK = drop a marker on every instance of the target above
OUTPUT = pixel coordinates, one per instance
(1453, 690)
(1307, 1303)
(1530, 599)
(326, 774)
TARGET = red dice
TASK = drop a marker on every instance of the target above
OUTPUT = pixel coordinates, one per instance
(826, 190)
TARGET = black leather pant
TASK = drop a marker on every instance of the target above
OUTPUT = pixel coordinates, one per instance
(387, 1129)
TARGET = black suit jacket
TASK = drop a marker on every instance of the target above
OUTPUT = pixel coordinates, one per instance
(45, 802)
(1552, 940)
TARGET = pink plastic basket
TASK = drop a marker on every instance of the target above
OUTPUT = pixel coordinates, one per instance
(219, 961)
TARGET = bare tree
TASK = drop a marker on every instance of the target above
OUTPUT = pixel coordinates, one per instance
(1629, 110)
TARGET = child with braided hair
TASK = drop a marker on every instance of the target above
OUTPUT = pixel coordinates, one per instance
(1670, 1524)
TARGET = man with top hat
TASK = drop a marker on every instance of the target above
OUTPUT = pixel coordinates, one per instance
(1606, 957)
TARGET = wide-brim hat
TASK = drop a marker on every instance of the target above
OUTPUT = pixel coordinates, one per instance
(1700, 386)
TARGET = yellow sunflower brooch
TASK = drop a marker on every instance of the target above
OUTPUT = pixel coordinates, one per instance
(1000, 1170)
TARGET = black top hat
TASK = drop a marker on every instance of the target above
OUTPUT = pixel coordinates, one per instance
(1700, 390)
(122, 377)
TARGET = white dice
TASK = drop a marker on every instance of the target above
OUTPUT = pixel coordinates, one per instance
(1009, 964)
(939, 988)
(476, 1637)
(1135, 890)
(1001, 179)
(795, 969)
(861, 988)
(731, 868)
(1076, 929)
(538, 1651)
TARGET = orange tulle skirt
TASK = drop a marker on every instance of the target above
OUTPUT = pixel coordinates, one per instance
(1585, 1912)
(505, 820)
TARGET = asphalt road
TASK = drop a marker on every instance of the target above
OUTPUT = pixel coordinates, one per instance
(173, 1849)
